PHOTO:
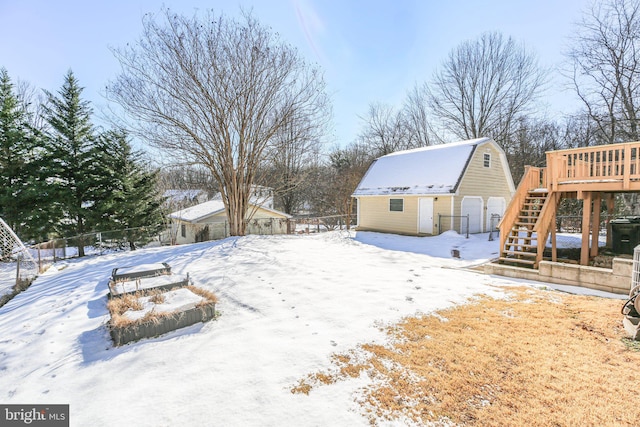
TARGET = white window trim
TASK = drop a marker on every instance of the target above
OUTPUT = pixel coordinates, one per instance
(396, 198)
(484, 160)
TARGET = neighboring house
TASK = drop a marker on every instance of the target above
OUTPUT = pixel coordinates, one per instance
(208, 221)
(429, 190)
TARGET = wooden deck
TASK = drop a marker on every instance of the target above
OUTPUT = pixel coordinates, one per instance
(591, 174)
(610, 168)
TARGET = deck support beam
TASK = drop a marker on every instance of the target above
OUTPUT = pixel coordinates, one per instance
(595, 228)
(554, 245)
(611, 205)
(586, 225)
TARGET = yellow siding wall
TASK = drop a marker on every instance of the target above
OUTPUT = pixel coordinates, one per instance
(261, 213)
(374, 211)
(374, 214)
(442, 206)
(483, 182)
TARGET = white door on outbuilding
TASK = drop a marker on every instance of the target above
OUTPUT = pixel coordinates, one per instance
(425, 215)
(495, 206)
(472, 206)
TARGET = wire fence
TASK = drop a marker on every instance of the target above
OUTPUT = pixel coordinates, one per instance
(45, 254)
(184, 232)
(17, 267)
(454, 222)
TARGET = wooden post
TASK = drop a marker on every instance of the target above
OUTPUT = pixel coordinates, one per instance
(595, 230)
(586, 220)
(626, 177)
(39, 260)
(554, 246)
(18, 272)
(611, 204)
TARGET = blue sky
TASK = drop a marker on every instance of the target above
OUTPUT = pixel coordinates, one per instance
(370, 51)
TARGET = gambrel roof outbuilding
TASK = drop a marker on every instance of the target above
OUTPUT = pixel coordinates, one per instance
(433, 170)
(463, 186)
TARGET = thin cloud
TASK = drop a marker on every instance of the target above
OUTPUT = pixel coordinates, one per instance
(312, 26)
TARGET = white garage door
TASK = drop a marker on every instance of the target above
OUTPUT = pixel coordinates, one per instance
(471, 206)
(495, 206)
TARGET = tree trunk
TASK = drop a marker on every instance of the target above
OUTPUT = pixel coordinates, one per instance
(80, 239)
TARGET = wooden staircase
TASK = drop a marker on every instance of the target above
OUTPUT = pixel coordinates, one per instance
(528, 220)
(521, 245)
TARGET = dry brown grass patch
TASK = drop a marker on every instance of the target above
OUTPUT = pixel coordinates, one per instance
(209, 297)
(537, 358)
(119, 305)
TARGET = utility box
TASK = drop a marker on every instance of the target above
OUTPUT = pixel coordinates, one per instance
(625, 234)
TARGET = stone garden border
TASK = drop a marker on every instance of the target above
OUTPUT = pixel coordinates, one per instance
(162, 324)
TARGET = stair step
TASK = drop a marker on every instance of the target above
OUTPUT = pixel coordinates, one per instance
(520, 253)
(529, 238)
(526, 224)
(520, 245)
(517, 261)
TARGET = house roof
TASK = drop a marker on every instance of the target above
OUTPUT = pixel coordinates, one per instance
(212, 207)
(197, 212)
(436, 169)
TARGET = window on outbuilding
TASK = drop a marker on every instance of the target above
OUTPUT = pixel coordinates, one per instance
(183, 230)
(396, 205)
(487, 160)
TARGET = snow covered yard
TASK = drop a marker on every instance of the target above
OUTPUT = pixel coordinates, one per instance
(7, 277)
(287, 304)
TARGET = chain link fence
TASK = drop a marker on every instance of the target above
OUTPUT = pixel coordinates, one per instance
(98, 243)
(182, 232)
(17, 267)
(95, 243)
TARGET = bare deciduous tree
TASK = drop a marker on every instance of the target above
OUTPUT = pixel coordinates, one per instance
(384, 130)
(415, 111)
(347, 167)
(33, 101)
(527, 145)
(215, 91)
(605, 72)
(291, 157)
(483, 86)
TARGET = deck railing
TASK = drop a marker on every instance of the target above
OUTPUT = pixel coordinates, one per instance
(604, 164)
(544, 224)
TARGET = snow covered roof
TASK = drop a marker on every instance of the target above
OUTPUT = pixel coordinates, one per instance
(178, 195)
(197, 212)
(212, 207)
(436, 169)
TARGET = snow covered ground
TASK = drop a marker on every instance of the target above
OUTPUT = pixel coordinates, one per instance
(7, 277)
(287, 303)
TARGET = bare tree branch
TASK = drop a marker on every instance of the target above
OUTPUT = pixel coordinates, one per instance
(483, 86)
(216, 92)
(605, 68)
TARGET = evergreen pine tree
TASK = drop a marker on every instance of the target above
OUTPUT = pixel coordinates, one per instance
(72, 172)
(16, 158)
(130, 196)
